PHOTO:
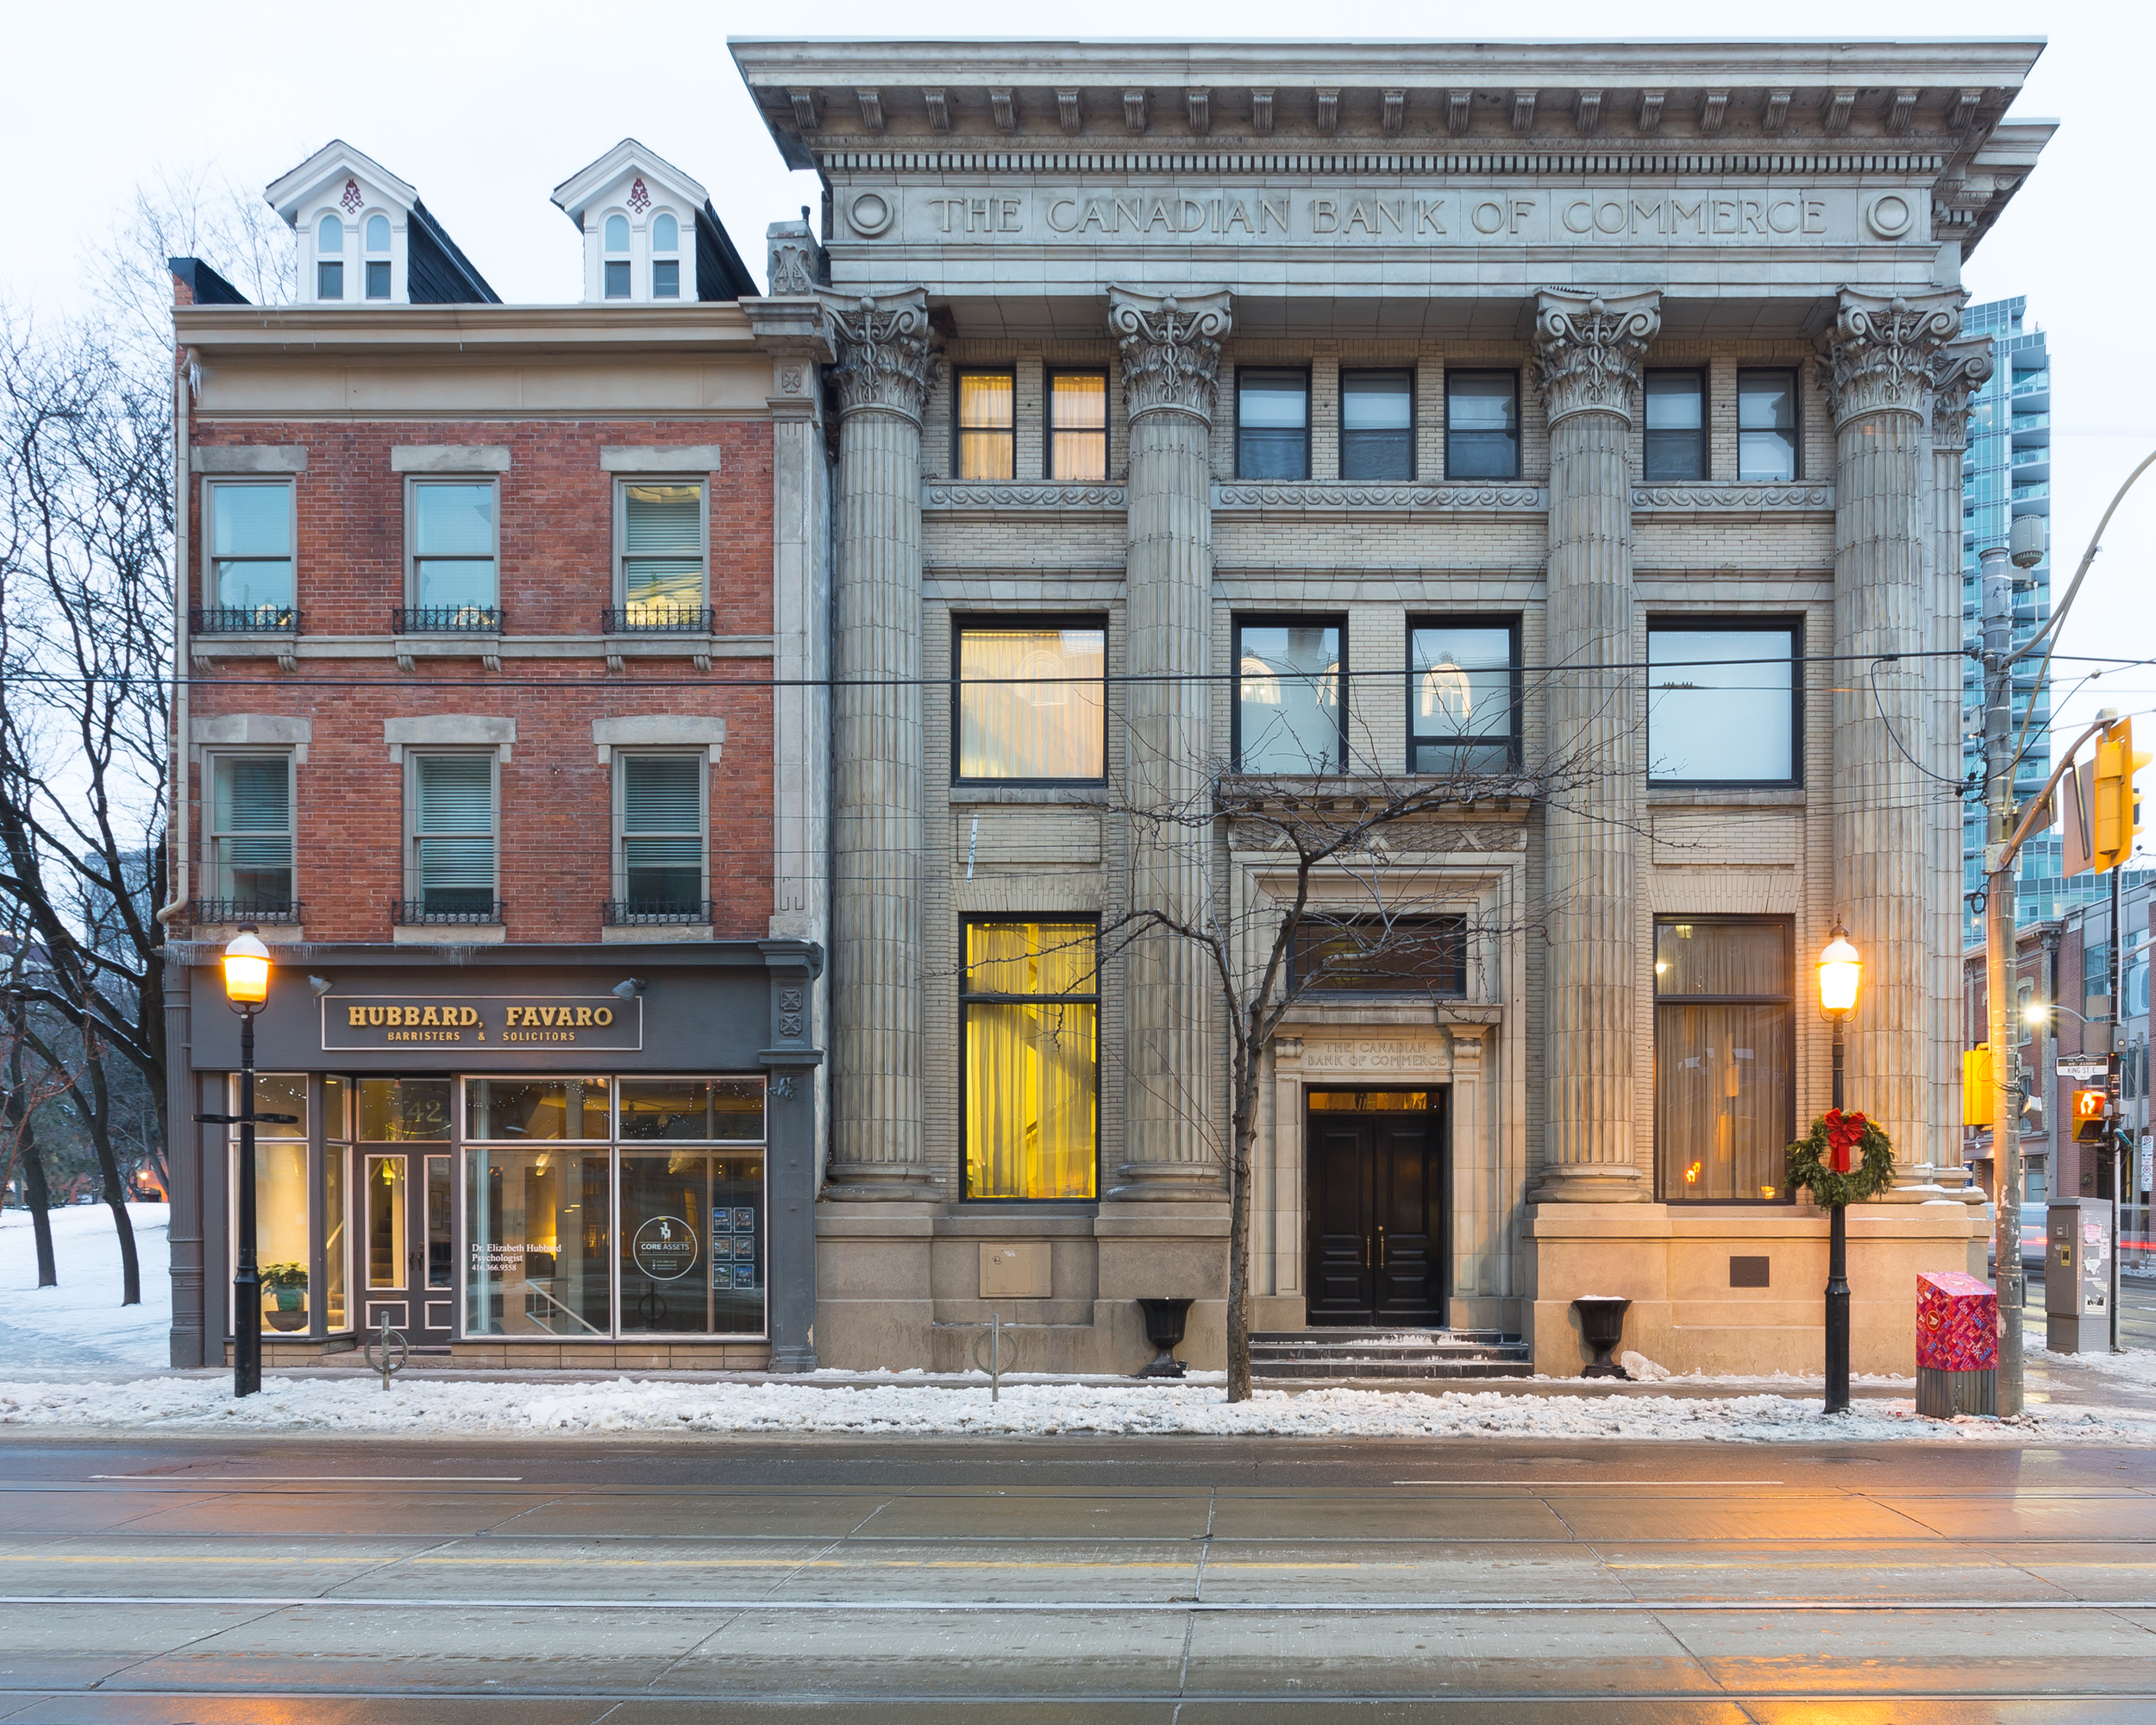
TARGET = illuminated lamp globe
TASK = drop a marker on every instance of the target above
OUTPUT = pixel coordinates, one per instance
(246, 968)
(1839, 971)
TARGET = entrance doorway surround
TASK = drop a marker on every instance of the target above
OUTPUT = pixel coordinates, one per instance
(1468, 1057)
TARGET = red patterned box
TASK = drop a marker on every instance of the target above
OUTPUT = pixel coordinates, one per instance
(1957, 1323)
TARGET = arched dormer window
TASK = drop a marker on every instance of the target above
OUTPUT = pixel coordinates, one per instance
(329, 258)
(666, 262)
(616, 264)
(378, 257)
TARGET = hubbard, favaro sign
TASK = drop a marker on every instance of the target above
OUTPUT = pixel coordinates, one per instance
(511, 1024)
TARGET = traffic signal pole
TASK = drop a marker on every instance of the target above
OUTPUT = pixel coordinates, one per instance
(1995, 592)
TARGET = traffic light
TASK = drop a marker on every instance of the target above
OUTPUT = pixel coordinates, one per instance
(2116, 814)
(2091, 1115)
(1976, 1085)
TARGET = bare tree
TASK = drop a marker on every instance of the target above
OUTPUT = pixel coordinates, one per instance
(28, 1088)
(193, 212)
(1335, 883)
(85, 603)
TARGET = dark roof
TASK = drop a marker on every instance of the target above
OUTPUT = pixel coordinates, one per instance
(435, 272)
(208, 287)
(720, 273)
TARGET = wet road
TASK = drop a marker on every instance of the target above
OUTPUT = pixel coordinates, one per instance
(1089, 1579)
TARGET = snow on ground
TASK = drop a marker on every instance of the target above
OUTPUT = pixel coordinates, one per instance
(624, 1405)
(81, 1324)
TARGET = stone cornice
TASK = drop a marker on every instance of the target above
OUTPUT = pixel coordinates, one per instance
(885, 359)
(997, 497)
(1589, 350)
(1171, 349)
(444, 330)
(1734, 499)
(1878, 356)
(1388, 500)
(1259, 159)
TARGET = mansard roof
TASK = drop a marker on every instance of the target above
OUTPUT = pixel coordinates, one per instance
(720, 272)
(439, 273)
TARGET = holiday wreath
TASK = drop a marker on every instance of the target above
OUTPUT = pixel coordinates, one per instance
(1844, 1159)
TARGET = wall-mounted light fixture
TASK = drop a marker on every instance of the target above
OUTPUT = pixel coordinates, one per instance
(631, 987)
(321, 985)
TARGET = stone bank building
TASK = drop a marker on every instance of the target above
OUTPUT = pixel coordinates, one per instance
(1332, 410)
(789, 676)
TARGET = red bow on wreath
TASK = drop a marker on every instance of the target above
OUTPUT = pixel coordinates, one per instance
(1845, 1133)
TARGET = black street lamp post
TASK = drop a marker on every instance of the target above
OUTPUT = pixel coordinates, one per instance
(1839, 972)
(246, 970)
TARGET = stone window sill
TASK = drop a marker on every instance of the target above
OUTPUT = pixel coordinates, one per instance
(1675, 797)
(449, 934)
(1094, 795)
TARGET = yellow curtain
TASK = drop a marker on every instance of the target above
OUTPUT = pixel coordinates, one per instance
(1011, 729)
(1031, 1107)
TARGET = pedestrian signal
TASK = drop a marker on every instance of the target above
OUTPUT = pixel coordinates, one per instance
(2091, 1116)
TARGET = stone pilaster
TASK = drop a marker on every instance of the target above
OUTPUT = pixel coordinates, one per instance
(1171, 356)
(1588, 351)
(1878, 363)
(1958, 371)
(880, 385)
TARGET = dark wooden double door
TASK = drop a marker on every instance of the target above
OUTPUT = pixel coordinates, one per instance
(1376, 1210)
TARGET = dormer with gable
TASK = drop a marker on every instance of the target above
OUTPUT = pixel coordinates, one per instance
(366, 238)
(650, 235)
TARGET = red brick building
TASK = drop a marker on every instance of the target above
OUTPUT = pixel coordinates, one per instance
(486, 684)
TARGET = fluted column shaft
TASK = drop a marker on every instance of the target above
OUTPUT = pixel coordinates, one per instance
(1878, 360)
(1170, 360)
(1589, 353)
(1958, 372)
(876, 791)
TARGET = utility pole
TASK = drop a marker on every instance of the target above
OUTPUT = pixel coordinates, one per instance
(1995, 591)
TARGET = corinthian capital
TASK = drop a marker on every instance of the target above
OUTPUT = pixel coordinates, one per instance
(885, 359)
(1958, 370)
(1588, 350)
(1878, 358)
(1171, 348)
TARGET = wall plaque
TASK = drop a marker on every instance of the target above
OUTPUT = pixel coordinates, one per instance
(499, 1023)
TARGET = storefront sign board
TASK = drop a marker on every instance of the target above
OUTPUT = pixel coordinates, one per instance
(511, 1024)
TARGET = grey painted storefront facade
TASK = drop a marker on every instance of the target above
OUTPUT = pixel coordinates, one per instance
(726, 1008)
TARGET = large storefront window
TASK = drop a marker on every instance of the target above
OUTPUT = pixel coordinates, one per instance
(1031, 1011)
(1723, 1089)
(593, 1209)
(283, 1237)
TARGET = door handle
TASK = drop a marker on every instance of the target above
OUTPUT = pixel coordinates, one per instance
(1381, 1245)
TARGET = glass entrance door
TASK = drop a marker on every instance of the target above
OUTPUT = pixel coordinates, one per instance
(405, 1250)
(1377, 1208)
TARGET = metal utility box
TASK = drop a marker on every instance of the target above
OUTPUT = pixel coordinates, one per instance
(2078, 1274)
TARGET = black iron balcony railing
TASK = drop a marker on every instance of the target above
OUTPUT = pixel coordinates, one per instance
(282, 912)
(243, 619)
(426, 912)
(656, 619)
(445, 619)
(650, 912)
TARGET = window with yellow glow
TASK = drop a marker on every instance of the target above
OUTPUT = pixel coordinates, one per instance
(987, 404)
(1031, 702)
(1031, 995)
(1724, 1091)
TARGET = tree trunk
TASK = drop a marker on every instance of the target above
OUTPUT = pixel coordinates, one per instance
(1245, 1133)
(96, 1112)
(40, 1197)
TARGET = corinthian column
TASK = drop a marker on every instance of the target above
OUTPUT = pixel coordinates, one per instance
(1958, 371)
(1587, 352)
(1171, 359)
(880, 382)
(1877, 361)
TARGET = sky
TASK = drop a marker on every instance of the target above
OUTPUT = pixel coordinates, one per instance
(486, 107)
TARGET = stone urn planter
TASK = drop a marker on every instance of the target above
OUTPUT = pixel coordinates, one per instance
(1164, 1320)
(1602, 1328)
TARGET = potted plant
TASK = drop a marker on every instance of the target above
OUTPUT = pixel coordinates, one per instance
(287, 1282)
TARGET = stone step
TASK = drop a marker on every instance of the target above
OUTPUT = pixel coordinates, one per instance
(1419, 1371)
(1341, 1333)
(1437, 1351)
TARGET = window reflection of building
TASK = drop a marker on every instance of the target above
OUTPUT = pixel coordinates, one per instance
(1289, 705)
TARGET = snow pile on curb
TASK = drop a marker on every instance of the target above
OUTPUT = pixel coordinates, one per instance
(1026, 1410)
